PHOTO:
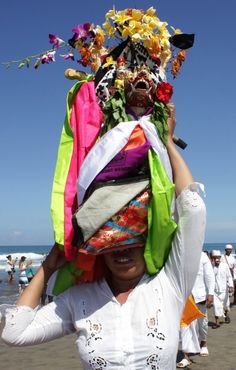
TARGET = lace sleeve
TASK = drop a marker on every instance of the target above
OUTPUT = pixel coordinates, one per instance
(26, 326)
(183, 262)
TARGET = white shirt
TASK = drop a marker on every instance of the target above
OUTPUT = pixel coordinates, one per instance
(231, 262)
(8, 266)
(142, 333)
(223, 278)
(205, 280)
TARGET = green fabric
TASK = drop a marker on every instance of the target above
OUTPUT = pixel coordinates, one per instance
(161, 226)
(62, 167)
(66, 277)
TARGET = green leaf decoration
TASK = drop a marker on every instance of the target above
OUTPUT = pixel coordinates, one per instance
(114, 111)
(37, 64)
(27, 62)
(159, 118)
(21, 65)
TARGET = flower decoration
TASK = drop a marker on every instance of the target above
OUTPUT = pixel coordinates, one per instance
(48, 57)
(55, 41)
(82, 31)
(68, 56)
(164, 92)
(137, 26)
(177, 62)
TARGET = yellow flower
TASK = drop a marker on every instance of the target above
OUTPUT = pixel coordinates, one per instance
(98, 29)
(126, 31)
(109, 62)
(152, 21)
(151, 11)
(177, 31)
(111, 13)
(120, 18)
(110, 31)
(136, 37)
(162, 26)
(165, 43)
(137, 14)
(153, 45)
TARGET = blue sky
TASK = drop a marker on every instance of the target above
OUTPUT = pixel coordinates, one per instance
(33, 108)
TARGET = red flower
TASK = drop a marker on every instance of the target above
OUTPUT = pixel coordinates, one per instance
(164, 92)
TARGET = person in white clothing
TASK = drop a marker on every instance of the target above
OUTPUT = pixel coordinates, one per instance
(231, 262)
(193, 337)
(223, 285)
(203, 294)
(10, 268)
(141, 313)
(23, 279)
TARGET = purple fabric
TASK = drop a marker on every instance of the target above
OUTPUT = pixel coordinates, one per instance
(125, 162)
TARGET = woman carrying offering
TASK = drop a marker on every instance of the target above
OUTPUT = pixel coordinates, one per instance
(141, 313)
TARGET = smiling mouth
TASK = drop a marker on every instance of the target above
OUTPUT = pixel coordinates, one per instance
(122, 257)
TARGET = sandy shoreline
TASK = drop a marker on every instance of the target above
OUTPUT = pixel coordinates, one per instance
(62, 354)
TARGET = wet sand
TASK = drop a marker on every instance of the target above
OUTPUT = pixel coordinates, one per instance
(61, 354)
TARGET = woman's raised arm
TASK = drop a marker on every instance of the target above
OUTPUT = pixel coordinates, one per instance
(31, 295)
(181, 174)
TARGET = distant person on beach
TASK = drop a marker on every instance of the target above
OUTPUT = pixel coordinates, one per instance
(203, 294)
(23, 280)
(194, 337)
(231, 262)
(128, 319)
(29, 270)
(10, 267)
(223, 286)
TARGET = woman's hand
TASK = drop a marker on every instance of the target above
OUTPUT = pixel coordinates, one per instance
(31, 295)
(181, 173)
(54, 260)
(171, 121)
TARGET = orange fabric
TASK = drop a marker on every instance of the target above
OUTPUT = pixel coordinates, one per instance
(93, 267)
(137, 138)
(191, 312)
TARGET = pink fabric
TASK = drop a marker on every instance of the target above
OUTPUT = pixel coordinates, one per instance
(86, 119)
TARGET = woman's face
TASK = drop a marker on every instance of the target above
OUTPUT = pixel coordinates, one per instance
(126, 264)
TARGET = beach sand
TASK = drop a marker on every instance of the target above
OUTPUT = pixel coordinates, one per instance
(61, 354)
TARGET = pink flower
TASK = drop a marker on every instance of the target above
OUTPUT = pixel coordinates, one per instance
(67, 56)
(48, 57)
(82, 31)
(55, 41)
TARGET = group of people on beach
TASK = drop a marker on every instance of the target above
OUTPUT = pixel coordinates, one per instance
(214, 285)
(26, 272)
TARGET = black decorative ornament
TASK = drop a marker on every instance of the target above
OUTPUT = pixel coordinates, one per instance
(182, 41)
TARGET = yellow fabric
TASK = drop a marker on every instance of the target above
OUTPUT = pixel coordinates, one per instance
(191, 312)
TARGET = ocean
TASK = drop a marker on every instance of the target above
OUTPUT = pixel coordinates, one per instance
(37, 253)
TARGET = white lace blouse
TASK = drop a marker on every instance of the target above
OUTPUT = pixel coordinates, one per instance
(140, 334)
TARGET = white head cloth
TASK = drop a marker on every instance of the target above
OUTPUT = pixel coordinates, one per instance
(216, 253)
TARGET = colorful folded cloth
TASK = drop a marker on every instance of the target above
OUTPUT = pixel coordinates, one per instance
(105, 201)
(126, 228)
